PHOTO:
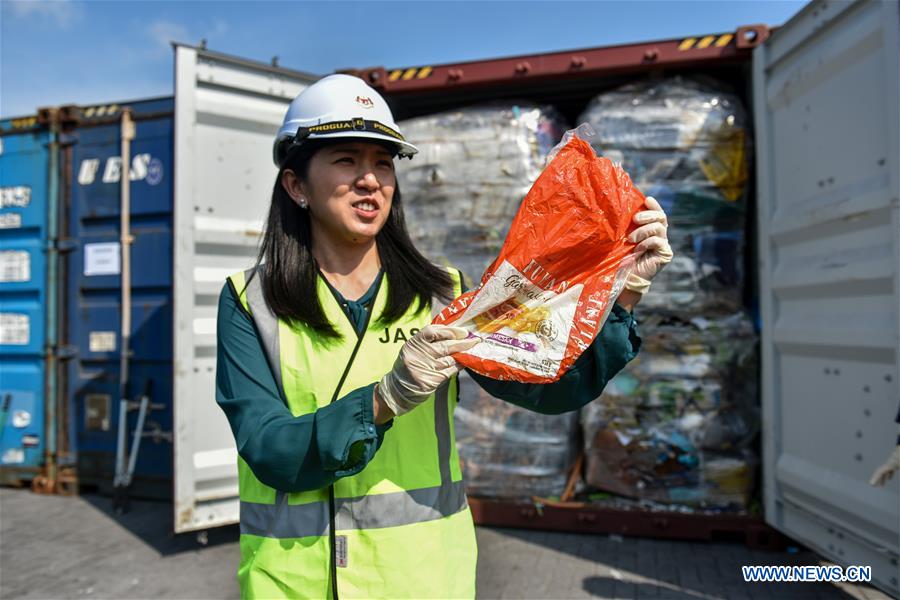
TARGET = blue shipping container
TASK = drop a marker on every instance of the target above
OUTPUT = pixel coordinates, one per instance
(94, 291)
(26, 337)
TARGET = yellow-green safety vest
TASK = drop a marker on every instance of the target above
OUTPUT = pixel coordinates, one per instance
(401, 527)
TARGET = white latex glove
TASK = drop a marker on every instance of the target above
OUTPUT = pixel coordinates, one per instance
(884, 473)
(653, 248)
(424, 364)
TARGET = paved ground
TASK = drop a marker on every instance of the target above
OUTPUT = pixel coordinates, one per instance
(53, 547)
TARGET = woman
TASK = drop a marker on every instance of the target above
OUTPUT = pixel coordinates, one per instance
(339, 392)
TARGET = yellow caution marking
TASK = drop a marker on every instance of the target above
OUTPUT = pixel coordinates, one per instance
(705, 42)
(409, 73)
(687, 44)
(104, 110)
(724, 40)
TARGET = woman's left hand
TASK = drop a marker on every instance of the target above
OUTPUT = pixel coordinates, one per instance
(653, 250)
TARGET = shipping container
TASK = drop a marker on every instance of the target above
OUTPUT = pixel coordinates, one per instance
(825, 264)
(146, 253)
(227, 111)
(827, 97)
(661, 97)
(27, 298)
(93, 267)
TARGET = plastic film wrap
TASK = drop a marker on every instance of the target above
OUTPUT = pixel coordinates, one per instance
(464, 187)
(679, 422)
(510, 452)
(685, 142)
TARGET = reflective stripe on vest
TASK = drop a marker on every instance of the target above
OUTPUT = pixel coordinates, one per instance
(375, 511)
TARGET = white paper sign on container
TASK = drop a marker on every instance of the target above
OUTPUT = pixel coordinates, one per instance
(102, 341)
(102, 259)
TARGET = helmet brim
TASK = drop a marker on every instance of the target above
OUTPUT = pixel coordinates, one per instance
(284, 148)
(404, 148)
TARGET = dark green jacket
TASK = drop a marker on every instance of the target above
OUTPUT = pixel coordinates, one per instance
(311, 451)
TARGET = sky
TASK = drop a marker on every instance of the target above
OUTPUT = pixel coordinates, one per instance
(56, 52)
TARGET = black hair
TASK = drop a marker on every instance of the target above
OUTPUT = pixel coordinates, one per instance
(289, 270)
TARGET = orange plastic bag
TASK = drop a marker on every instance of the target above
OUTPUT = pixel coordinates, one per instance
(542, 301)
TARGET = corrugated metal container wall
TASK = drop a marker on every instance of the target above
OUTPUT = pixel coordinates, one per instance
(25, 207)
(94, 290)
(828, 120)
(227, 111)
(825, 84)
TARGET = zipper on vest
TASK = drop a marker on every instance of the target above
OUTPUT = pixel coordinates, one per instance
(332, 538)
(337, 390)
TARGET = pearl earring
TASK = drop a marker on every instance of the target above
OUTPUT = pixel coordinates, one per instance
(303, 203)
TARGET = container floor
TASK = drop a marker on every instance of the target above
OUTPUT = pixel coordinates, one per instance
(57, 547)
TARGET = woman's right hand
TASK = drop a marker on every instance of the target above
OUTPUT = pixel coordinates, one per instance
(424, 364)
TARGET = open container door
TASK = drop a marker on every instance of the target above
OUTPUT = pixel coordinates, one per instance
(826, 98)
(227, 111)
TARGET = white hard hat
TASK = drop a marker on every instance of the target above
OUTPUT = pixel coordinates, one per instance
(338, 106)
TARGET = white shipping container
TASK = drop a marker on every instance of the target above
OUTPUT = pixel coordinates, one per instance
(227, 111)
(826, 92)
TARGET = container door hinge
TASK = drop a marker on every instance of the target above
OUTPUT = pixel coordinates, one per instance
(66, 244)
(67, 351)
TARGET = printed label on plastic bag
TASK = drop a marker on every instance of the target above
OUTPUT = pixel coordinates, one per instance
(15, 265)
(14, 329)
(526, 329)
